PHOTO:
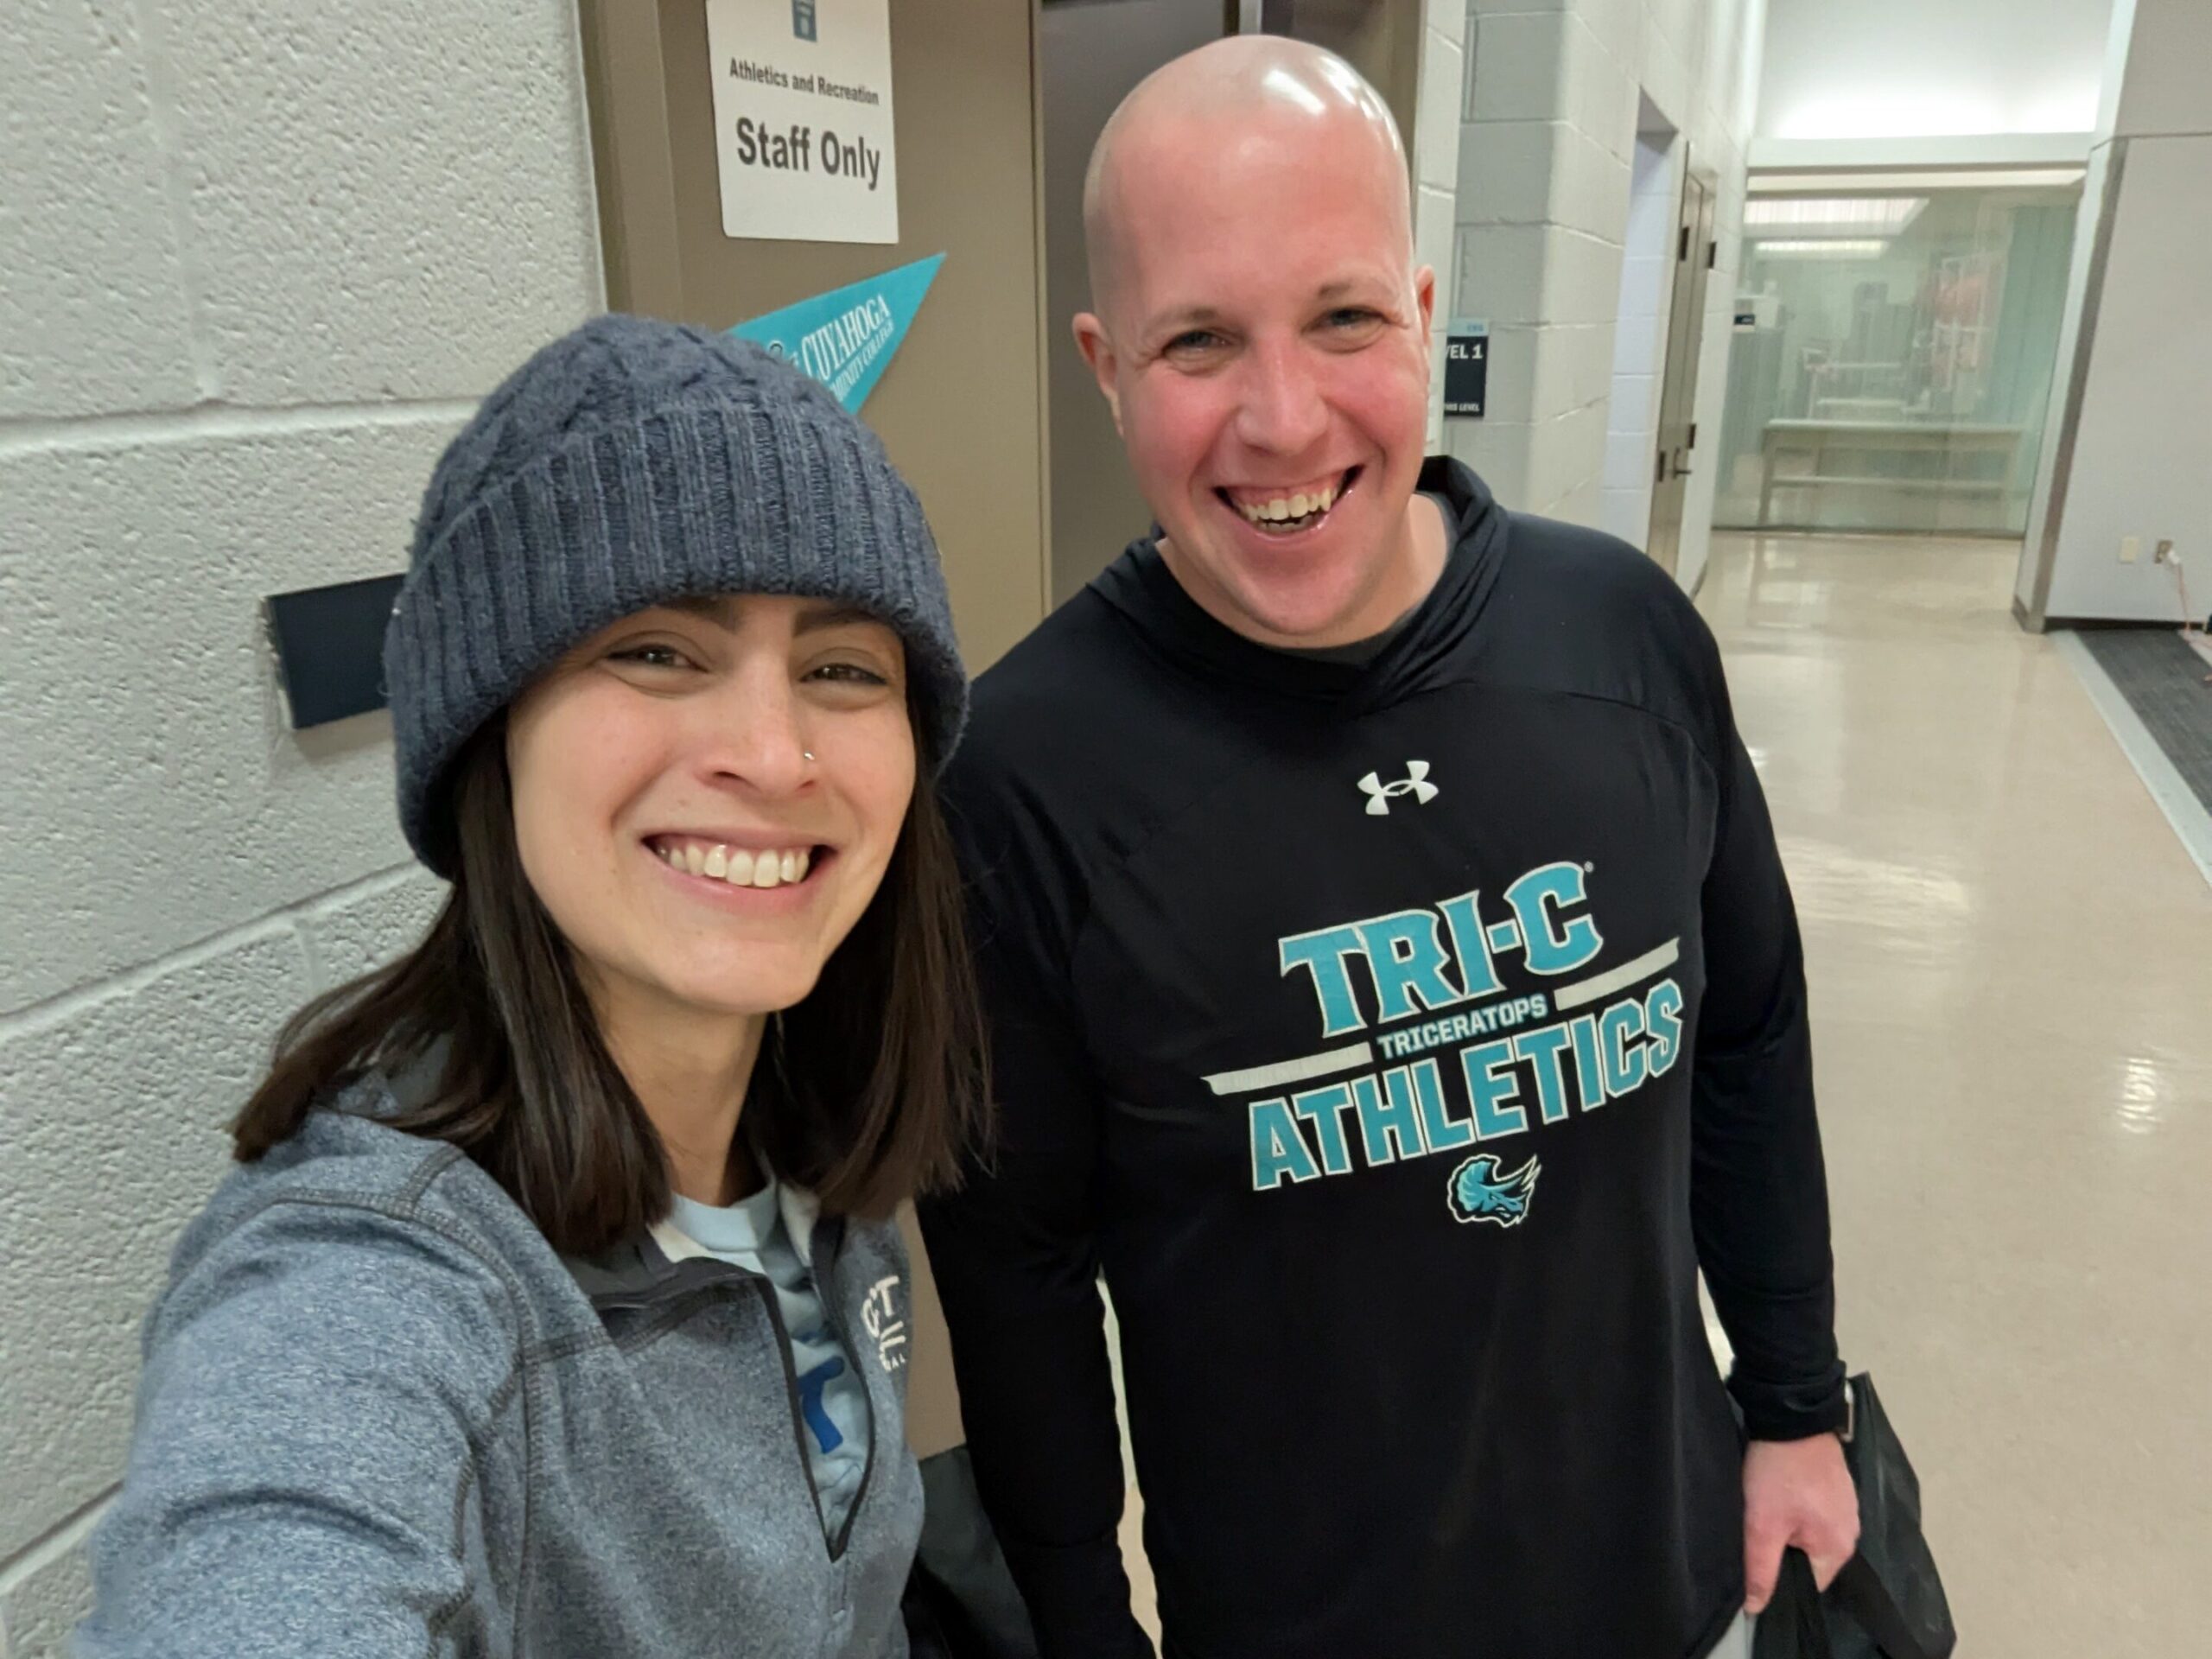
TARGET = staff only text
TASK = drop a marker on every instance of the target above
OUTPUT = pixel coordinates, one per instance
(793, 150)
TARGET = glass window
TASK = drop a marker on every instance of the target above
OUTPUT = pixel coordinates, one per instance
(1892, 357)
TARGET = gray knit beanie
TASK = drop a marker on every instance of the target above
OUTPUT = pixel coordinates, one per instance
(628, 464)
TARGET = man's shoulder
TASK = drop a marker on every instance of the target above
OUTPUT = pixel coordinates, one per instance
(1590, 606)
(1079, 637)
(1064, 702)
(1592, 572)
(1080, 738)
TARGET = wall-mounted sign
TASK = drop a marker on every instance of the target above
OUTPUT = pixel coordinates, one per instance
(329, 645)
(1757, 311)
(845, 338)
(1466, 366)
(803, 129)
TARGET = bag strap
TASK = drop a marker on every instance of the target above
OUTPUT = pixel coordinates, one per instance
(1859, 1589)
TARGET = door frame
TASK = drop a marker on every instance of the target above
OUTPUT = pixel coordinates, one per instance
(1676, 440)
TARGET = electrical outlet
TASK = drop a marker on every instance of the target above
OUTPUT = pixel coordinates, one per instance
(2131, 549)
(2165, 550)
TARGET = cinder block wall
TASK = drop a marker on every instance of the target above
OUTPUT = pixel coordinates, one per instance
(1543, 199)
(1435, 162)
(258, 260)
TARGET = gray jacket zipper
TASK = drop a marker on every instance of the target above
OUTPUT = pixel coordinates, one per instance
(715, 1277)
(834, 1306)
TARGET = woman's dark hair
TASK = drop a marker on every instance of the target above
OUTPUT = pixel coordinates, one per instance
(865, 1093)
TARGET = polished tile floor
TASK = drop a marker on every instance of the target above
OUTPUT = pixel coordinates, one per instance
(2010, 962)
(2011, 959)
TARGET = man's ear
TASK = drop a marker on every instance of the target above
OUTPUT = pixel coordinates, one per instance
(1424, 299)
(1097, 348)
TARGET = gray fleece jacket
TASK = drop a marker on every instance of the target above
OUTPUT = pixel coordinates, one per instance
(380, 1419)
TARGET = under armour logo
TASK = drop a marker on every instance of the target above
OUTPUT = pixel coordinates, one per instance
(1414, 783)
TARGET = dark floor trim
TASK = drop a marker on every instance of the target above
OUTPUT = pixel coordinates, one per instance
(2150, 688)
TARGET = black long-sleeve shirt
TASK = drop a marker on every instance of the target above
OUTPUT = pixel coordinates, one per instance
(1401, 1039)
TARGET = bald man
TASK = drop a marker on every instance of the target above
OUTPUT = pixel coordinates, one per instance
(1395, 990)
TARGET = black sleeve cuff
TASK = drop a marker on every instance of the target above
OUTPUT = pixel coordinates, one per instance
(1790, 1411)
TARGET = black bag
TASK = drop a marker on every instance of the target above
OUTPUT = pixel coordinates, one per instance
(1888, 1602)
(961, 1602)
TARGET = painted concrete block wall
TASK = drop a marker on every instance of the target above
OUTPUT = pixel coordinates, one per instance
(262, 259)
(1544, 204)
(2137, 454)
(1435, 167)
(2140, 464)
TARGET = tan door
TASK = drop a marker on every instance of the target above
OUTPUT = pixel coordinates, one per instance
(1091, 56)
(960, 408)
(1092, 53)
(1694, 258)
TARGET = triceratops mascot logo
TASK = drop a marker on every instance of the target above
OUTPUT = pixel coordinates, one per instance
(1478, 1192)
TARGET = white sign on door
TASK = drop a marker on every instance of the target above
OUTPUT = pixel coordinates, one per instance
(803, 129)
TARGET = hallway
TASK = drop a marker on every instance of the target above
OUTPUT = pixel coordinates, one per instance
(2010, 965)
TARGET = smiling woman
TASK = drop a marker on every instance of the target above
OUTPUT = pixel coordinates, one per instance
(578, 1212)
(677, 891)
